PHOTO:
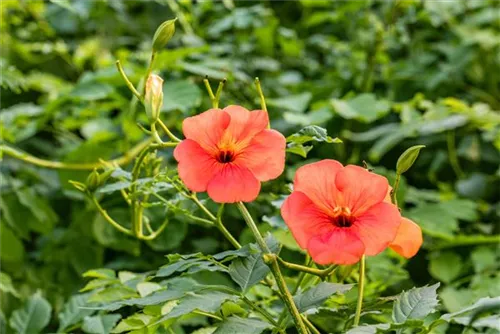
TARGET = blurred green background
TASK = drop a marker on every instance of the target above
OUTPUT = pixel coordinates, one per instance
(380, 75)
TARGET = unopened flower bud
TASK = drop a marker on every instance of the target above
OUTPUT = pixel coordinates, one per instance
(407, 159)
(163, 34)
(93, 181)
(153, 98)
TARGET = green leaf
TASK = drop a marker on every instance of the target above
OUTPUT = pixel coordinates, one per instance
(203, 300)
(299, 150)
(100, 324)
(251, 270)
(170, 238)
(113, 293)
(134, 322)
(416, 303)
(175, 289)
(296, 103)
(6, 285)
(100, 273)
(470, 316)
(364, 108)
(483, 258)
(73, 311)
(147, 288)
(180, 95)
(92, 91)
(446, 266)
(33, 316)
(428, 214)
(318, 294)
(45, 216)
(11, 248)
(311, 133)
(239, 325)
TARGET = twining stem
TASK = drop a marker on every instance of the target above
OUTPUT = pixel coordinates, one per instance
(123, 160)
(260, 310)
(361, 287)
(452, 154)
(394, 191)
(216, 220)
(313, 271)
(127, 81)
(110, 220)
(261, 94)
(310, 325)
(167, 131)
(272, 261)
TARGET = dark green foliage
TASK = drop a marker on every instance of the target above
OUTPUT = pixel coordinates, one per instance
(355, 81)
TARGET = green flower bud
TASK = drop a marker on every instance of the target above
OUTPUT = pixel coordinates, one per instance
(105, 176)
(93, 181)
(163, 34)
(407, 159)
(153, 97)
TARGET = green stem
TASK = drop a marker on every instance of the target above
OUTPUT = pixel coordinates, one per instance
(452, 154)
(167, 131)
(108, 218)
(259, 309)
(218, 94)
(217, 221)
(261, 94)
(272, 262)
(149, 71)
(223, 229)
(209, 315)
(310, 325)
(127, 81)
(123, 160)
(361, 288)
(313, 271)
(394, 192)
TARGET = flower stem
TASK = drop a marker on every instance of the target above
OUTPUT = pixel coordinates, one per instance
(361, 287)
(261, 94)
(313, 271)
(127, 81)
(394, 192)
(108, 218)
(123, 160)
(272, 262)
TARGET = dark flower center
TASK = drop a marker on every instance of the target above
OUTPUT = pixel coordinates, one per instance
(225, 156)
(342, 221)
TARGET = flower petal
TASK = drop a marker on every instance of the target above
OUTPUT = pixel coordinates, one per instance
(245, 124)
(408, 239)
(206, 128)
(196, 167)
(340, 246)
(360, 189)
(303, 218)
(232, 184)
(317, 181)
(377, 227)
(265, 155)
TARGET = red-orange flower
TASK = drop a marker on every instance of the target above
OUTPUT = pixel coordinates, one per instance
(338, 213)
(409, 237)
(229, 152)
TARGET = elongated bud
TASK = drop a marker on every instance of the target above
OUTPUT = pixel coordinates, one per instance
(407, 159)
(93, 181)
(153, 98)
(163, 34)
